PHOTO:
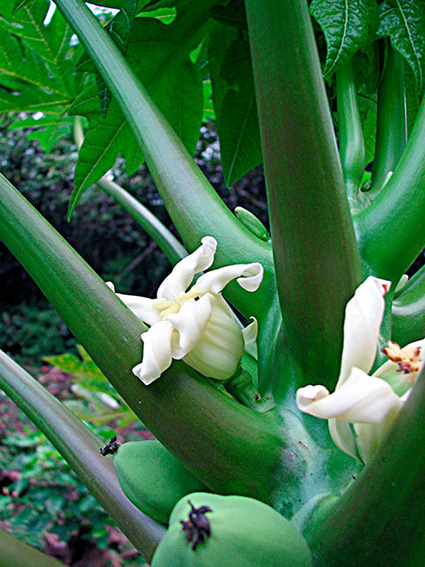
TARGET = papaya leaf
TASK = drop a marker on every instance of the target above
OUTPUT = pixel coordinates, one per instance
(191, 201)
(115, 4)
(348, 26)
(21, 4)
(149, 5)
(28, 22)
(37, 72)
(119, 30)
(404, 22)
(47, 131)
(104, 140)
(232, 15)
(177, 90)
(24, 67)
(234, 103)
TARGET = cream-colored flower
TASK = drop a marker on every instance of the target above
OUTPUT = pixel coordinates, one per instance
(194, 324)
(363, 407)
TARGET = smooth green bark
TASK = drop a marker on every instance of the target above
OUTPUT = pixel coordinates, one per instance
(316, 259)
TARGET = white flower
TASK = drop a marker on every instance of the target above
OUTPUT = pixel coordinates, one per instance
(363, 407)
(194, 324)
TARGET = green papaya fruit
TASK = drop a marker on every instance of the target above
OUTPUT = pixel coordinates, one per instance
(152, 478)
(208, 530)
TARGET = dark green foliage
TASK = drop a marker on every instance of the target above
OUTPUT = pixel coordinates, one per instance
(27, 333)
(404, 23)
(348, 27)
(46, 496)
(107, 237)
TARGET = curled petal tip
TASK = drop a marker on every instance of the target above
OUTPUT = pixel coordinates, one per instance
(209, 241)
(146, 379)
(252, 277)
(309, 395)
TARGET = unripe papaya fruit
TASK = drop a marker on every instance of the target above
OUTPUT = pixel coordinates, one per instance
(152, 478)
(208, 530)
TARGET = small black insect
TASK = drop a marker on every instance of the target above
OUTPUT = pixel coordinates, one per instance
(110, 448)
(197, 526)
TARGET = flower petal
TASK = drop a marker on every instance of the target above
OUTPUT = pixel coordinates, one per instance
(250, 332)
(363, 318)
(220, 349)
(310, 395)
(369, 437)
(361, 399)
(343, 437)
(249, 277)
(183, 273)
(141, 306)
(190, 322)
(156, 352)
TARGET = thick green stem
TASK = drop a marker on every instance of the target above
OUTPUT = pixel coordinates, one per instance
(408, 323)
(351, 140)
(80, 448)
(391, 231)
(316, 257)
(391, 133)
(192, 203)
(230, 448)
(14, 552)
(380, 520)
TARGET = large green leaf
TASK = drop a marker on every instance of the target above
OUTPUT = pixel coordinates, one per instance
(348, 25)
(160, 57)
(233, 14)
(234, 103)
(47, 40)
(404, 22)
(37, 69)
(47, 131)
(20, 67)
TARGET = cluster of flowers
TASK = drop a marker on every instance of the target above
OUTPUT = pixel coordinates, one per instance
(195, 324)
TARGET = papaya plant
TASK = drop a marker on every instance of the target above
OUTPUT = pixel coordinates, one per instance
(282, 376)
